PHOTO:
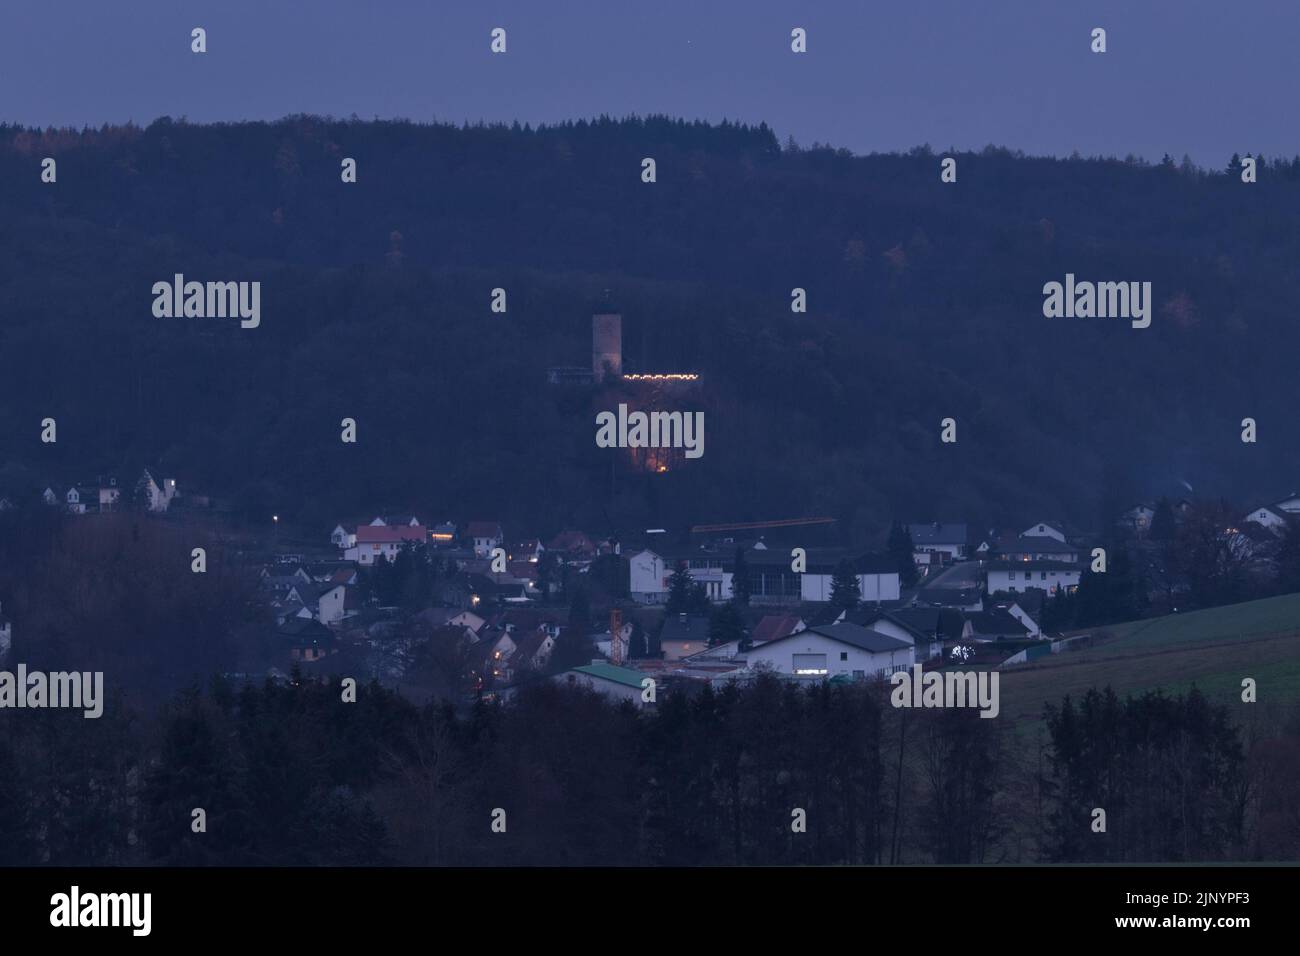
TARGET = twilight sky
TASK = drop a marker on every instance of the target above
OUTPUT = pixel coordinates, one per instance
(1180, 76)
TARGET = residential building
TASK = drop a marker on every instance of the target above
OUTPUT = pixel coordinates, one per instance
(616, 683)
(833, 650)
(1051, 576)
(936, 537)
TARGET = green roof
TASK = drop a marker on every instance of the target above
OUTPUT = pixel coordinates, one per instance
(619, 675)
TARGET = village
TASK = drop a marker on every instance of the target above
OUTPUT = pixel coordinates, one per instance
(468, 611)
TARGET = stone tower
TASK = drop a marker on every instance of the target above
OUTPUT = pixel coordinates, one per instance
(606, 344)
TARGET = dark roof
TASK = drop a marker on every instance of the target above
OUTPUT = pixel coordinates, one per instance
(855, 636)
(922, 623)
(1036, 544)
(306, 632)
(694, 628)
(950, 597)
(997, 622)
(1033, 566)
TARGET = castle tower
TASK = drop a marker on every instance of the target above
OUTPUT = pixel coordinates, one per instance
(606, 344)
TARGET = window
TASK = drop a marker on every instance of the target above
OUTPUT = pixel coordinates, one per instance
(844, 655)
(1043, 576)
(809, 663)
(1011, 575)
(859, 674)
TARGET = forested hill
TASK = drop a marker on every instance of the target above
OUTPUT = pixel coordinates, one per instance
(924, 301)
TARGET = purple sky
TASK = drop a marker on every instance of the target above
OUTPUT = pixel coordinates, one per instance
(1180, 76)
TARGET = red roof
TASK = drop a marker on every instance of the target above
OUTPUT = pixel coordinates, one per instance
(774, 626)
(572, 541)
(387, 534)
(483, 529)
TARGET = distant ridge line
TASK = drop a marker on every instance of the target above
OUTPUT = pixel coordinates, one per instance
(751, 525)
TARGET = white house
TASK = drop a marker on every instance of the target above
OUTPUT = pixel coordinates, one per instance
(1271, 517)
(81, 500)
(1050, 576)
(376, 542)
(949, 539)
(325, 604)
(342, 538)
(616, 683)
(832, 650)
(770, 577)
(649, 572)
(485, 535)
(872, 586)
(1037, 548)
(158, 493)
(1043, 530)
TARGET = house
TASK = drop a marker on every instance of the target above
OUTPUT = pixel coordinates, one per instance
(616, 683)
(326, 604)
(996, 625)
(1022, 614)
(532, 651)
(443, 535)
(1051, 576)
(770, 575)
(484, 536)
(109, 493)
(376, 542)
(1290, 504)
(307, 640)
(963, 599)
(1045, 530)
(1273, 517)
(158, 493)
(877, 575)
(921, 627)
(50, 496)
(1036, 548)
(81, 499)
(342, 538)
(949, 539)
(833, 650)
(683, 635)
(440, 617)
(771, 627)
(529, 551)
(574, 545)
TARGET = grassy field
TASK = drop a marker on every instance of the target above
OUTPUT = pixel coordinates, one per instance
(1254, 618)
(1212, 649)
